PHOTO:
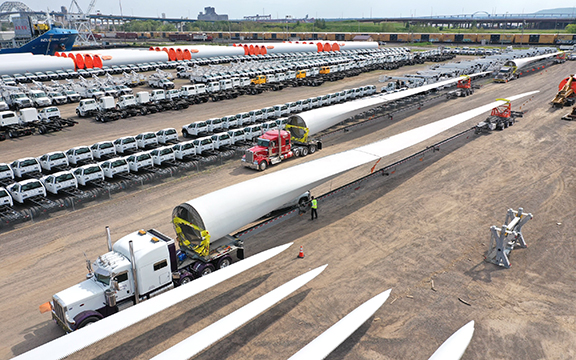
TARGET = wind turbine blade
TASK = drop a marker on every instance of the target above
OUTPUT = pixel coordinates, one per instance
(81, 338)
(216, 331)
(455, 346)
(330, 339)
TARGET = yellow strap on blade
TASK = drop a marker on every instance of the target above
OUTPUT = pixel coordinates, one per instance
(507, 101)
(204, 248)
(304, 138)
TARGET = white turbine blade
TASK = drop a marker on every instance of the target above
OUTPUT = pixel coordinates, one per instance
(81, 338)
(330, 339)
(216, 331)
(245, 205)
(454, 347)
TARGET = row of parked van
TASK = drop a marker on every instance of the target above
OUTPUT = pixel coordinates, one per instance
(251, 117)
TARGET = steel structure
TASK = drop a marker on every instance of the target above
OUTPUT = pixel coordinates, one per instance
(80, 21)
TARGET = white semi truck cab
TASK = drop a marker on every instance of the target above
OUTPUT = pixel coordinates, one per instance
(140, 265)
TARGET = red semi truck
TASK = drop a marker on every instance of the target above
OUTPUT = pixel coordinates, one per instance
(270, 151)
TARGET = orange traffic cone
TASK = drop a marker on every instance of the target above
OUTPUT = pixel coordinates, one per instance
(301, 253)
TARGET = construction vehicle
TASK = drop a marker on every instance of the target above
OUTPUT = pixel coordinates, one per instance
(500, 118)
(160, 80)
(127, 106)
(15, 98)
(566, 93)
(463, 88)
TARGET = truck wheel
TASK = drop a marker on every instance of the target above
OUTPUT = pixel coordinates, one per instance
(88, 321)
(205, 269)
(223, 262)
(143, 111)
(2, 137)
(185, 280)
(185, 133)
(312, 148)
(304, 151)
(263, 165)
(296, 152)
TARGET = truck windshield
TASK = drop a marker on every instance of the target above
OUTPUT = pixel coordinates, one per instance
(31, 185)
(28, 162)
(83, 150)
(64, 177)
(102, 278)
(118, 163)
(264, 142)
(4, 167)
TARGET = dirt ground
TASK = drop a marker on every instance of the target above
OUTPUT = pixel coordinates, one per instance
(428, 223)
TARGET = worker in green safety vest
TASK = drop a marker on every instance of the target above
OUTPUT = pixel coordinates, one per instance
(314, 212)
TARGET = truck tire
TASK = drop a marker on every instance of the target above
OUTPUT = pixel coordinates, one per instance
(205, 269)
(312, 148)
(304, 151)
(186, 279)
(185, 133)
(223, 262)
(87, 321)
(263, 165)
(2, 137)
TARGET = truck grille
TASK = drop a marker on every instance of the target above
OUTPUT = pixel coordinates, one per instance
(59, 311)
(249, 156)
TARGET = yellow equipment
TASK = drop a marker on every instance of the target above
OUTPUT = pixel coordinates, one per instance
(300, 74)
(202, 249)
(260, 79)
(325, 70)
(565, 95)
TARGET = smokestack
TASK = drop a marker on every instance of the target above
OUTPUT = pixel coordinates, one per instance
(109, 238)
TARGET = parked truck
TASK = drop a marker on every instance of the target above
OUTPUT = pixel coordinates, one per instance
(138, 266)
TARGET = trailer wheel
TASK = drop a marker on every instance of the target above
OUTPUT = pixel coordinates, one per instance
(263, 165)
(312, 148)
(88, 321)
(304, 151)
(223, 262)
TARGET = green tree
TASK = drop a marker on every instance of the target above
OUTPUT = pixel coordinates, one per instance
(571, 29)
(168, 27)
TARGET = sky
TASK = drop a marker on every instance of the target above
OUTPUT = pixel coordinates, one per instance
(300, 8)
